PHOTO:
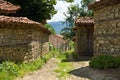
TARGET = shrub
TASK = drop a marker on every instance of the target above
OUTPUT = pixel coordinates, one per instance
(105, 62)
(8, 70)
(9, 67)
(6, 76)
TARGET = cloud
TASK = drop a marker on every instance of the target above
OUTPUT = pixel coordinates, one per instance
(57, 17)
(61, 8)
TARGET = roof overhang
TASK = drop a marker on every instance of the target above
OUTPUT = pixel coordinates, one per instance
(84, 21)
(23, 21)
(7, 7)
(103, 3)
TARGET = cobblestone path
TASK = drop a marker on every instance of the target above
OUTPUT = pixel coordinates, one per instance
(81, 71)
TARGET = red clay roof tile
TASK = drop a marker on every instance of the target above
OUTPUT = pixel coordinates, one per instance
(7, 7)
(17, 19)
(21, 20)
(84, 21)
(58, 35)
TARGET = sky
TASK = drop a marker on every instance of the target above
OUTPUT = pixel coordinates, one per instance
(61, 8)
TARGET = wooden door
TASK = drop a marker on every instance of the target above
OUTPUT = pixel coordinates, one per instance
(90, 39)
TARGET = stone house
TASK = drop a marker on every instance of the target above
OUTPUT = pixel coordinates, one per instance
(21, 39)
(107, 27)
(84, 29)
(58, 42)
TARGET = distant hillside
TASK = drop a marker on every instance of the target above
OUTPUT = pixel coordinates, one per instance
(57, 26)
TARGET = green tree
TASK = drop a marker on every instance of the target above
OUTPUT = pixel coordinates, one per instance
(37, 10)
(66, 32)
(67, 0)
(73, 12)
(86, 3)
(50, 28)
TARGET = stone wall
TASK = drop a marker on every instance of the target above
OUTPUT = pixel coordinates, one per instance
(22, 43)
(58, 42)
(107, 30)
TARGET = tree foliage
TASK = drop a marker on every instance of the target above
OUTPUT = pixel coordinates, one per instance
(66, 32)
(77, 10)
(37, 10)
(67, 0)
(50, 28)
(73, 12)
(86, 3)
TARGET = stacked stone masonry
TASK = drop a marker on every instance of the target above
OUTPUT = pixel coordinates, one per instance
(58, 42)
(22, 43)
(107, 30)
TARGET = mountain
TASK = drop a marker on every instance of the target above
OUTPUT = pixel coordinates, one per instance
(58, 26)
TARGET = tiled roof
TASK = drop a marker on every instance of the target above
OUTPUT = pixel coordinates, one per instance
(99, 4)
(58, 35)
(84, 21)
(7, 7)
(21, 20)
(17, 19)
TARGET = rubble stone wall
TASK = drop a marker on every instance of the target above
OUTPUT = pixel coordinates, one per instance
(20, 43)
(107, 30)
(58, 42)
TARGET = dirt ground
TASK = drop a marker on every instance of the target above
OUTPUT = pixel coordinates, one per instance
(81, 71)
(84, 72)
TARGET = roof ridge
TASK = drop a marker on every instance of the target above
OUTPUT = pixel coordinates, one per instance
(7, 7)
(103, 3)
(23, 20)
(84, 20)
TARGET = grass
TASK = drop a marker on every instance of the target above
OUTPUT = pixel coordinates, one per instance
(10, 70)
(71, 55)
(63, 67)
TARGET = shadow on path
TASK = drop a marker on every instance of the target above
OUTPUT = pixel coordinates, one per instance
(95, 74)
(81, 72)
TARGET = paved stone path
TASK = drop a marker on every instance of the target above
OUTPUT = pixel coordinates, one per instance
(81, 71)
(45, 73)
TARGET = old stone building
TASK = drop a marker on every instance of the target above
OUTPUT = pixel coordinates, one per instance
(107, 27)
(21, 39)
(84, 28)
(58, 42)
